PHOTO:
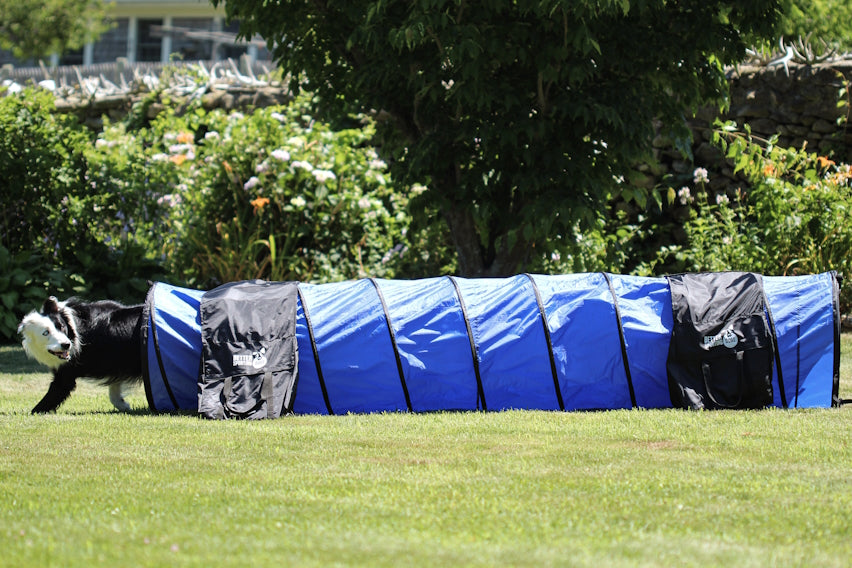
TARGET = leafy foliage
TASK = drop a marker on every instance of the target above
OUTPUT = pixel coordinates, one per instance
(206, 197)
(828, 20)
(25, 280)
(38, 28)
(518, 116)
(59, 229)
(269, 194)
(793, 218)
(42, 162)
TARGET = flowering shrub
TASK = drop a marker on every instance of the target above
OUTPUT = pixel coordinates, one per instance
(272, 194)
(54, 223)
(793, 217)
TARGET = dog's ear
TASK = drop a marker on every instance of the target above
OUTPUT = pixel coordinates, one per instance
(51, 306)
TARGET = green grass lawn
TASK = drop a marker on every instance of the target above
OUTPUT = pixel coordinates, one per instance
(91, 486)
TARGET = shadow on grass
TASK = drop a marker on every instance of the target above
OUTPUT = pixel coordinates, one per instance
(113, 412)
(14, 360)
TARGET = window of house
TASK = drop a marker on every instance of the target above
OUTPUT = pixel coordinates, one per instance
(229, 50)
(73, 57)
(192, 48)
(149, 44)
(112, 44)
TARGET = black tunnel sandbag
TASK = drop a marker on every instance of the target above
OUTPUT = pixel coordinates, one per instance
(722, 350)
(249, 362)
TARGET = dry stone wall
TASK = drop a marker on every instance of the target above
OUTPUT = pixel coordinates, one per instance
(91, 110)
(800, 103)
(796, 101)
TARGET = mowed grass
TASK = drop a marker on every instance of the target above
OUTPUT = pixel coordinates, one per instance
(91, 486)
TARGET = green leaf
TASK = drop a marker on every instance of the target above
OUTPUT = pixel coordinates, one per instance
(9, 299)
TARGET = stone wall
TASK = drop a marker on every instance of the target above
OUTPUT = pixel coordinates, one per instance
(113, 89)
(799, 103)
(91, 110)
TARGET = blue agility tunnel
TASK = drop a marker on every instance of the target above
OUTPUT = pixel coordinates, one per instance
(569, 342)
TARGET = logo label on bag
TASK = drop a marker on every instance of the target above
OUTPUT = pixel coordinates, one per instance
(257, 359)
(727, 338)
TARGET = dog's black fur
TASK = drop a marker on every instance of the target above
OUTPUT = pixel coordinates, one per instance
(104, 345)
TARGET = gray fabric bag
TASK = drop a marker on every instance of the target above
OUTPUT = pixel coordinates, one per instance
(249, 356)
(722, 344)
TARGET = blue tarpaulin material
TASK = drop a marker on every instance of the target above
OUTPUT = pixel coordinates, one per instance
(567, 342)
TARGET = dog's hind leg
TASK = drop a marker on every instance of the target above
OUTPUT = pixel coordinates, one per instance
(117, 398)
(58, 391)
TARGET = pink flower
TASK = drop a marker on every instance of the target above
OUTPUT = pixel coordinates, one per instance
(252, 182)
(281, 154)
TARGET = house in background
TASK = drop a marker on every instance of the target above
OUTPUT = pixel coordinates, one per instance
(160, 30)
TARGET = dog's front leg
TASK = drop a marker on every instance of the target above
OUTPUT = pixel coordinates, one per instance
(116, 397)
(58, 391)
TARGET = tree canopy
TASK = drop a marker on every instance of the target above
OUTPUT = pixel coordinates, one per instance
(826, 20)
(37, 28)
(521, 116)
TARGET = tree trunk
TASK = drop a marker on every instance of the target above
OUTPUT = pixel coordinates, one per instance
(477, 260)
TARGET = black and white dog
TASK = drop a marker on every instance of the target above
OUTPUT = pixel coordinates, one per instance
(92, 340)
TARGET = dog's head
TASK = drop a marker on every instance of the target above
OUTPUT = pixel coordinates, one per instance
(50, 335)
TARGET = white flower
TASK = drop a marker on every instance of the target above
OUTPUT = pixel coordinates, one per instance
(378, 164)
(159, 157)
(212, 135)
(722, 199)
(169, 200)
(323, 176)
(700, 175)
(252, 182)
(281, 154)
(302, 165)
(278, 116)
(180, 148)
(684, 195)
(298, 201)
(364, 203)
(261, 167)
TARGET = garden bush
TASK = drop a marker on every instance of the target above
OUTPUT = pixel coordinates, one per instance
(56, 232)
(43, 163)
(792, 215)
(197, 198)
(825, 20)
(201, 197)
(270, 194)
